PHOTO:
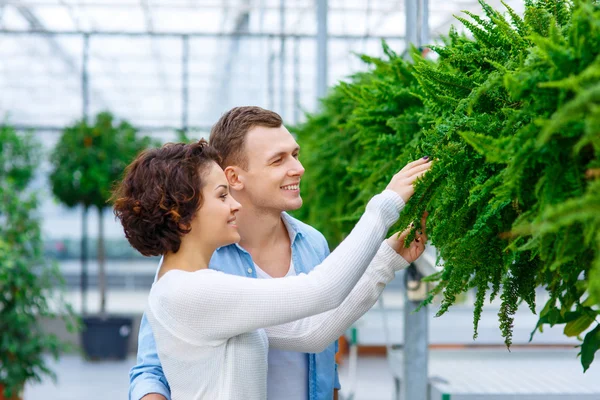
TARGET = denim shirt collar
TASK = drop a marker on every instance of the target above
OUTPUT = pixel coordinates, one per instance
(292, 227)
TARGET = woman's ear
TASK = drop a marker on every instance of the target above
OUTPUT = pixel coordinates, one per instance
(233, 178)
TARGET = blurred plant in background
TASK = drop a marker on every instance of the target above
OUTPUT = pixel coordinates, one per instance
(86, 162)
(30, 286)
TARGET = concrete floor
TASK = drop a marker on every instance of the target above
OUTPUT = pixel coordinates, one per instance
(78, 379)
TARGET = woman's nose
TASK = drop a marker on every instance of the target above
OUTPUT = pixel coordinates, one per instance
(235, 206)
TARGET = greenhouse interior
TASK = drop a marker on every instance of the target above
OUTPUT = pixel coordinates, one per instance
(435, 163)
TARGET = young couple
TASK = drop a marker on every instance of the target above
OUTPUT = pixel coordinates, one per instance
(217, 215)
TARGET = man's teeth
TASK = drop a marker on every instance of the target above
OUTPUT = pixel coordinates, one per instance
(291, 187)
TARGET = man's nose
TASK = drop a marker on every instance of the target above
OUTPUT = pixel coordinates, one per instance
(297, 168)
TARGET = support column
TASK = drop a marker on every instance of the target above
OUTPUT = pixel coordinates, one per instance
(322, 50)
(85, 97)
(415, 380)
(282, 108)
(185, 56)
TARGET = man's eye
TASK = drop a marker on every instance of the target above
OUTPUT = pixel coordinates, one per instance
(296, 155)
(276, 161)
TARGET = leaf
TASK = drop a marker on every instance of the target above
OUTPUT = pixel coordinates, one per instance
(494, 150)
(591, 343)
(574, 328)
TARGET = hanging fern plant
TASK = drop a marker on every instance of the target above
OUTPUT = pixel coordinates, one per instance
(512, 116)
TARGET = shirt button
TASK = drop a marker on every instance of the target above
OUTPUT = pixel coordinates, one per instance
(249, 270)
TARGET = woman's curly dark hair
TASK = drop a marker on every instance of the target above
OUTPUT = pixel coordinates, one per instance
(160, 193)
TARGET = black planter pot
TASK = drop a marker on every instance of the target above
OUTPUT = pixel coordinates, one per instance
(106, 338)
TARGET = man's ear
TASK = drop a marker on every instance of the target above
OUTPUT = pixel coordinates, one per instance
(234, 179)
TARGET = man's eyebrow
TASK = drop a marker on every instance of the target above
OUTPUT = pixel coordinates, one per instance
(222, 186)
(281, 153)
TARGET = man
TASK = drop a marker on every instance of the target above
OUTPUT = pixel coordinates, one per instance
(260, 160)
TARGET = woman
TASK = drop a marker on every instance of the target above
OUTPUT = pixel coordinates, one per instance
(174, 201)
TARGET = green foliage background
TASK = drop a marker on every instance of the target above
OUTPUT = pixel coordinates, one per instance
(512, 116)
(86, 162)
(89, 158)
(28, 283)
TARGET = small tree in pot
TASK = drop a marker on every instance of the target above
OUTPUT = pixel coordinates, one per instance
(86, 161)
(27, 280)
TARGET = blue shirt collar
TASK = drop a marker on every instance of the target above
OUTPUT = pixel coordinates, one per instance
(292, 227)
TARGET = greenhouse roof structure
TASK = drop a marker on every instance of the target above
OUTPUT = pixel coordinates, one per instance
(170, 64)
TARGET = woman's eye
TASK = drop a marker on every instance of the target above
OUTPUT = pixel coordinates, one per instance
(296, 156)
(277, 161)
(223, 196)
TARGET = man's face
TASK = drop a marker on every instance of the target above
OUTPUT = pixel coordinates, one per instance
(272, 178)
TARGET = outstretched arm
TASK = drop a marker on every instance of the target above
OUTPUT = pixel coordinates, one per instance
(209, 304)
(314, 334)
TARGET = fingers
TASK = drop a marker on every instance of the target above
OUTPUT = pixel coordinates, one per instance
(402, 182)
(401, 235)
(419, 169)
(420, 241)
(414, 173)
(421, 237)
(413, 168)
(419, 174)
(414, 164)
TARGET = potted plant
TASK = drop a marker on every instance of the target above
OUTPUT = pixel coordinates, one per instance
(86, 161)
(27, 280)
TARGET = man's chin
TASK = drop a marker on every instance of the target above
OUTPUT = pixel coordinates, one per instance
(278, 205)
(293, 205)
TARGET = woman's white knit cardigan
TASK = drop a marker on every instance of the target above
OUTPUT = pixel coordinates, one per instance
(208, 325)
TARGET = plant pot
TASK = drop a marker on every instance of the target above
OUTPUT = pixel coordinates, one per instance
(106, 338)
(14, 396)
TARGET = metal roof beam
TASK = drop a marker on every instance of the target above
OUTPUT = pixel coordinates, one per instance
(57, 49)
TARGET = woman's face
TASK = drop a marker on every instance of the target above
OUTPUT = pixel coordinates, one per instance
(215, 220)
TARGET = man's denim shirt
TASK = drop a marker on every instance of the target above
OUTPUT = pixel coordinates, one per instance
(309, 248)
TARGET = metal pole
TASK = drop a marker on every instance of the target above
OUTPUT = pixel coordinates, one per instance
(101, 263)
(322, 6)
(270, 83)
(185, 41)
(296, 81)
(49, 129)
(415, 380)
(84, 78)
(264, 52)
(416, 339)
(282, 59)
(245, 35)
(411, 36)
(84, 215)
(424, 19)
(84, 260)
